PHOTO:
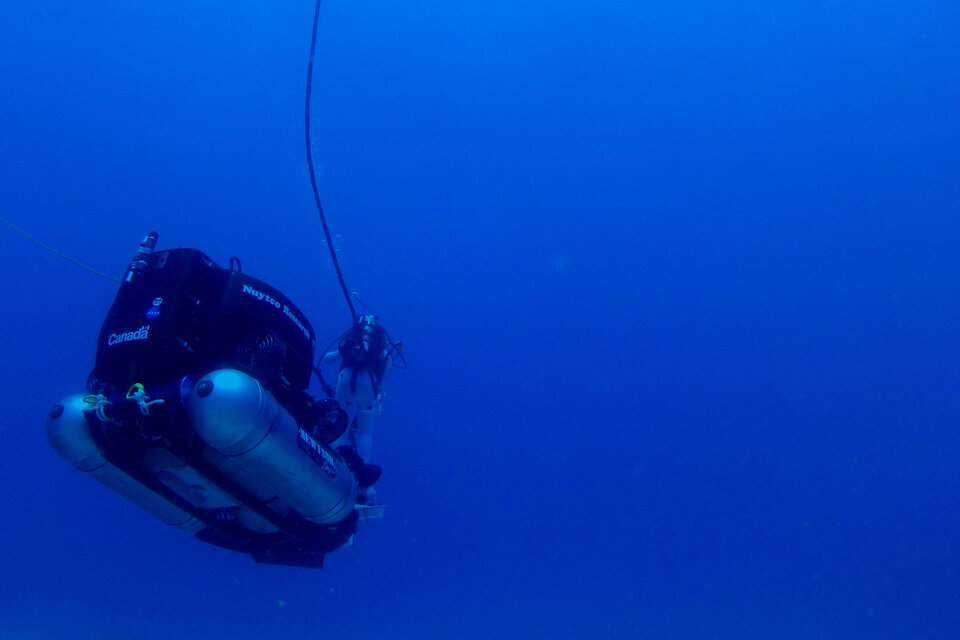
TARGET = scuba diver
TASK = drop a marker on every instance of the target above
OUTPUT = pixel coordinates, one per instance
(198, 409)
(364, 351)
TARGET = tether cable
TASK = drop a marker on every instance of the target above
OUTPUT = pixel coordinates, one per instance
(57, 253)
(313, 175)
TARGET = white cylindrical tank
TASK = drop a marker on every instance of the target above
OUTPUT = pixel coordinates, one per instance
(260, 446)
(69, 435)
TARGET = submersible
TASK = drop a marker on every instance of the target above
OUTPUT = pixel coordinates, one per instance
(197, 410)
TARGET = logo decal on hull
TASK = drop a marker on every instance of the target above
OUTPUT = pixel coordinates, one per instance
(142, 333)
(316, 452)
(273, 302)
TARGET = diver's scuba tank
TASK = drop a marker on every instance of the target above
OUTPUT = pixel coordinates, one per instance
(364, 348)
(365, 355)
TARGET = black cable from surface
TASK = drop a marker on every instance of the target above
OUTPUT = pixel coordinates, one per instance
(313, 176)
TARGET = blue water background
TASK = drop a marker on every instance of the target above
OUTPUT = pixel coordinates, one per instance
(677, 282)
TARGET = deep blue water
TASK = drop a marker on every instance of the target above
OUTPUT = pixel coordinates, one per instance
(677, 283)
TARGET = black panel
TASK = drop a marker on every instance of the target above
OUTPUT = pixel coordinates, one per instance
(186, 315)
